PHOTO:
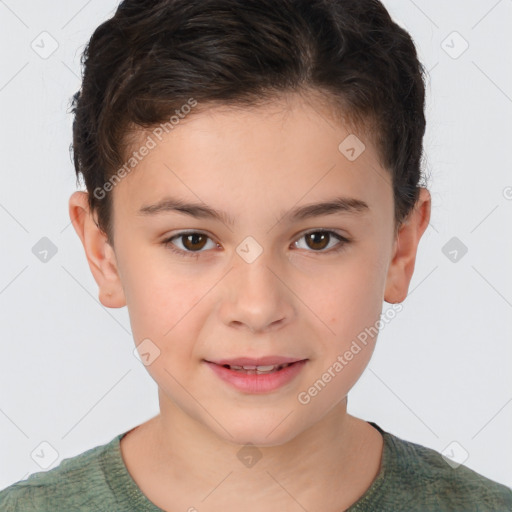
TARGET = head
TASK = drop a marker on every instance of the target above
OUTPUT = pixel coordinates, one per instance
(253, 109)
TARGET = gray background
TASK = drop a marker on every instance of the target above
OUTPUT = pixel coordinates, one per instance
(441, 373)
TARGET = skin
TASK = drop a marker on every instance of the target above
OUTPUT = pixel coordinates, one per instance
(296, 299)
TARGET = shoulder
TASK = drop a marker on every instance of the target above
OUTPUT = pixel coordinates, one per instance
(426, 478)
(75, 484)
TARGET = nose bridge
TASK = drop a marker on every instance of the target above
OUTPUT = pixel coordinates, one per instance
(255, 277)
(257, 298)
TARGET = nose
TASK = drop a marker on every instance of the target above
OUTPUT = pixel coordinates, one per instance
(256, 298)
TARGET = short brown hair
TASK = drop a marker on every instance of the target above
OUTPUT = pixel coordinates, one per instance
(151, 57)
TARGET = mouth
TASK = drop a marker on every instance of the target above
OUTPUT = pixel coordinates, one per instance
(260, 365)
(257, 378)
(257, 370)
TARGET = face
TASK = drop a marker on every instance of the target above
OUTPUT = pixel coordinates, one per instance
(258, 280)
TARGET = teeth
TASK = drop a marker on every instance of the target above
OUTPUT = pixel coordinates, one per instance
(252, 369)
(261, 368)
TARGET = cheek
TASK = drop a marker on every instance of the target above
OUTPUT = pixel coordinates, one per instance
(351, 305)
(161, 302)
(164, 312)
(348, 298)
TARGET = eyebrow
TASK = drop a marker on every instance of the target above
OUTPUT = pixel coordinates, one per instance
(345, 205)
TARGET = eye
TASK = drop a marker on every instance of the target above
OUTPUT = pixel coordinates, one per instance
(191, 241)
(321, 239)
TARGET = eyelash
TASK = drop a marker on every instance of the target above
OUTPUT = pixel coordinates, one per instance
(195, 254)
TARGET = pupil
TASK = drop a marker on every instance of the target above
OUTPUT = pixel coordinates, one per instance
(319, 238)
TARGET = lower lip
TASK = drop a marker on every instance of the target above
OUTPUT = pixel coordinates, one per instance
(254, 383)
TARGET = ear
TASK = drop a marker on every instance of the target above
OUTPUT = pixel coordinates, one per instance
(100, 254)
(401, 268)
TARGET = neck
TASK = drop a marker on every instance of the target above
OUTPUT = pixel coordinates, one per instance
(188, 464)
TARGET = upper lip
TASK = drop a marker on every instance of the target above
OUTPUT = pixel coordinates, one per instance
(258, 361)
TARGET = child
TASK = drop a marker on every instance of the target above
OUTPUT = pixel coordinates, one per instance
(283, 139)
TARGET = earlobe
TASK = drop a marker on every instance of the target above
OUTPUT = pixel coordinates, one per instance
(100, 255)
(405, 248)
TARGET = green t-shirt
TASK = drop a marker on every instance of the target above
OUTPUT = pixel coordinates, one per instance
(411, 478)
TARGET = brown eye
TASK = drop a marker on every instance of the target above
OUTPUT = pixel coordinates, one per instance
(317, 240)
(194, 241)
(189, 243)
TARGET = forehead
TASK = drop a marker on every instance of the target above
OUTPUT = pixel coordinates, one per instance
(277, 155)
